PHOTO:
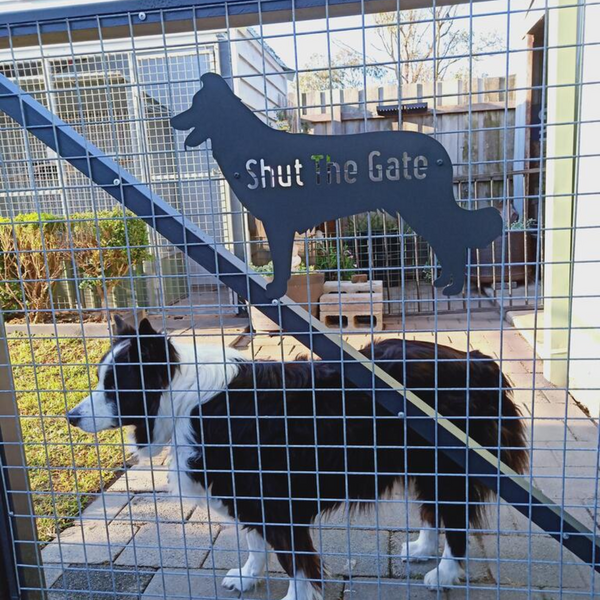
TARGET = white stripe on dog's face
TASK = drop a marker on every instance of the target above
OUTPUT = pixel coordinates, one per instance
(98, 411)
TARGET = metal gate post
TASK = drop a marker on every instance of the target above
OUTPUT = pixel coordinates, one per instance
(21, 572)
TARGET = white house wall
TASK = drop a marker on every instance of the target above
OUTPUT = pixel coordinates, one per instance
(570, 325)
(584, 366)
(250, 61)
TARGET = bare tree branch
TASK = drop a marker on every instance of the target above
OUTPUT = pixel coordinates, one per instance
(428, 40)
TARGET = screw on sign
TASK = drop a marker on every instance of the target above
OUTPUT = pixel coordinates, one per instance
(294, 182)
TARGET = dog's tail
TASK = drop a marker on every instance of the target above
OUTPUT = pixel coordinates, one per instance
(504, 432)
(482, 227)
(513, 434)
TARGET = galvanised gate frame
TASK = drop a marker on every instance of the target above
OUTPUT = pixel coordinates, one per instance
(121, 185)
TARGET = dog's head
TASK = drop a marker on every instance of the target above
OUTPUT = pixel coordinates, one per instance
(132, 377)
(201, 114)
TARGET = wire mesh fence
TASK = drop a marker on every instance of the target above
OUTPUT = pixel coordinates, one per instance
(241, 438)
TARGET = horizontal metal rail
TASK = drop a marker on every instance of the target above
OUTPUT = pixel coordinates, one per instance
(358, 370)
(123, 13)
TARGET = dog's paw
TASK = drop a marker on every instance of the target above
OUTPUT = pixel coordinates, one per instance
(442, 280)
(455, 288)
(447, 574)
(236, 580)
(417, 551)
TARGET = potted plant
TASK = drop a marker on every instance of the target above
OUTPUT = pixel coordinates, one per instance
(304, 284)
(334, 265)
(514, 249)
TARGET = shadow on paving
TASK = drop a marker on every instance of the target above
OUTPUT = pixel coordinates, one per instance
(100, 582)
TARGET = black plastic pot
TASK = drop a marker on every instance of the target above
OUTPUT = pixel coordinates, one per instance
(518, 247)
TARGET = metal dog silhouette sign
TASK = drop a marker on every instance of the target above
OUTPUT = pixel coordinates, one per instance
(294, 182)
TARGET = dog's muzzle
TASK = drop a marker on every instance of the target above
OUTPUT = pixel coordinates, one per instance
(73, 417)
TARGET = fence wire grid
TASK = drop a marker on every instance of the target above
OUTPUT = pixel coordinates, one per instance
(510, 90)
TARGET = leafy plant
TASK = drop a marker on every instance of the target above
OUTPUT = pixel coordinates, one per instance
(522, 225)
(336, 265)
(33, 249)
(429, 272)
(108, 244)
(268, 269)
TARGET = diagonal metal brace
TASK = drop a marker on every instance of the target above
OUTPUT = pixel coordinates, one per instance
(420, 417)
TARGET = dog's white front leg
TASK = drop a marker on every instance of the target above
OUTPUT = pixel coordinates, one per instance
(302, 589)
(447, 573)
(423, 548)
(250, 574)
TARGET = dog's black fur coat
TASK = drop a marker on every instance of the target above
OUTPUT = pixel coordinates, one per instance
(258, 447)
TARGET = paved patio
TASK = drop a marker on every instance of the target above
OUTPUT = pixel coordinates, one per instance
(137, 541)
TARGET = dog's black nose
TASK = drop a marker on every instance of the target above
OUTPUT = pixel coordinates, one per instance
(73, 418)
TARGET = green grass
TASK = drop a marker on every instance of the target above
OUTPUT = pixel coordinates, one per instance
(66, 464)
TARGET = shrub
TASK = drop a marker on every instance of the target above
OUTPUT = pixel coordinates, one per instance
(376, 222)
(33, 249)
(36, 246)
(107, 245)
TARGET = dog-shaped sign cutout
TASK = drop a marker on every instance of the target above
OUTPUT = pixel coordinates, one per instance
(294, 182)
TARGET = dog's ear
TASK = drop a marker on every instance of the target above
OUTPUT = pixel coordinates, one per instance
(146, 328)
(154, 345)
(208, 78)
(121, 328)
(213, 80)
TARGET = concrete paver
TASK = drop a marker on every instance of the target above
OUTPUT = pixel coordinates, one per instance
(396, 512)
(106, 506)
(360, 552)
(168, 545)
(143, 478)
(538, 561)
(95, 542)
(354, 552)
(165, 508)
(206, 585)
(52, 572)
(389, 589)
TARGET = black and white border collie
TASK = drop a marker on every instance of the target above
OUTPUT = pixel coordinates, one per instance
(276, 444)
